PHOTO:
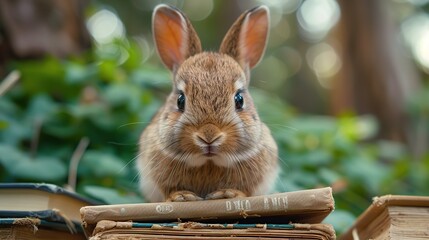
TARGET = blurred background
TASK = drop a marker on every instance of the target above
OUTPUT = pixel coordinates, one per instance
(343, 87)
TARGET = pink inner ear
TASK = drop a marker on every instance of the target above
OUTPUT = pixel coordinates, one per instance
(169, 37)
(253, 37)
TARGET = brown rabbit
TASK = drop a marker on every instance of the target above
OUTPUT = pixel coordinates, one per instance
(207, 141)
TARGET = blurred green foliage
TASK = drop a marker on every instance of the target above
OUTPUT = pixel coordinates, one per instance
(59, 102)
(109, 99)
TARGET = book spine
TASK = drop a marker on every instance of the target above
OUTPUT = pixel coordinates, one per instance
(269, 205)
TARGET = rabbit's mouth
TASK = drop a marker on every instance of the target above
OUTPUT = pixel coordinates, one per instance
(209, 150)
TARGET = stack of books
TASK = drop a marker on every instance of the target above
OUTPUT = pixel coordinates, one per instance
(46, 211)
(292, 215)
(40, 211)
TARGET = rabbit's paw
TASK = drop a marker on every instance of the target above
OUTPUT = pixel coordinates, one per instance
(183, 196)
(225, 193)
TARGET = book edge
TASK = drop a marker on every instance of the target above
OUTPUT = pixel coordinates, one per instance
(106, 227)
(380, 204)
(49, 188)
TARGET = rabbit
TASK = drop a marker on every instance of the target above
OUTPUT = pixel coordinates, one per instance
(207, 141)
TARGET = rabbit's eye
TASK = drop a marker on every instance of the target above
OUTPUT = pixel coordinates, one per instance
(181, 102)
(239, 101)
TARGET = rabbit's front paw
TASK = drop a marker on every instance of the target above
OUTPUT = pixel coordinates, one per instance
(225, 193)
(183, 196)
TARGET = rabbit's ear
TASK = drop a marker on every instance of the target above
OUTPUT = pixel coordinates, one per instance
(246, 39)
(174, 36)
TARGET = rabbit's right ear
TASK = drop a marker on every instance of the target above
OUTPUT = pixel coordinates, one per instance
(247, 38)
(174, 36)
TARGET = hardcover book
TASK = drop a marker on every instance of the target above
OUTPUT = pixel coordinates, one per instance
(301, 207)
(191, 230)
(40, 211)
(36, 228)
(393, 217)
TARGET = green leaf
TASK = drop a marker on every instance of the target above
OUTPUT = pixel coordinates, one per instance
(85, 111)
(62, 130)
(304, 179)
(79, 74)
(151, 78)
(10, 155)
(7, 107)
(364, 171)
(359, 128)
(146, 113)
(108, 70)
(103, 164)
(43, 76)
(41, 108)
(317, 157)
(391, 150)
(12, 128)
(15, 131)
(315, 124)
(134, 56)
(40, 169)
(329, 176)
(123, 94)
(344, 145)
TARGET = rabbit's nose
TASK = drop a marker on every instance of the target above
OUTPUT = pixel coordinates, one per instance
(209, 141)
(209, 134)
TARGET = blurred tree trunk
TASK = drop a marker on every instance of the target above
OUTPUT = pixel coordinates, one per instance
(32, 29)
(376, 78)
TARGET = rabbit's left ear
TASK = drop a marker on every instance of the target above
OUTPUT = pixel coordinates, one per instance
(174, 36)
(247, 38)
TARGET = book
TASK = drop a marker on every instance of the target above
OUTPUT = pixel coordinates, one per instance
(35, 228)
(106, 229)
(306, 206)
(392, 217)
(40, 197)
(42, 208)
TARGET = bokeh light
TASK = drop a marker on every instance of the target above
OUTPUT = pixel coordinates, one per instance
(324, 61)
(105, 26)
(198, 10)
(317, 17)
(270, 73)
(415, 31)
(278, 8)
(146, 48)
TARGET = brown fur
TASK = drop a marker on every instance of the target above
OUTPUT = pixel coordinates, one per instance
(231, 40)
(173, 147)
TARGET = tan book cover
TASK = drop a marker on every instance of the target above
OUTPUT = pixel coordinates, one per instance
(192, 230)
(392, 217)
(306, 206)
(36, 197)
